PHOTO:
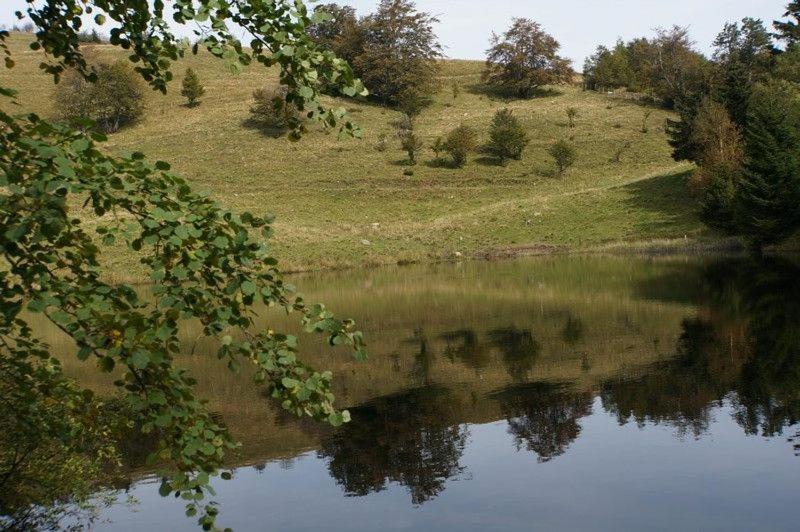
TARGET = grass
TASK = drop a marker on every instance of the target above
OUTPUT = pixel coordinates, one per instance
(343, 203)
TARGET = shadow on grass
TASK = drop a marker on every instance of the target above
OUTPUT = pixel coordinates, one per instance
(504, 96)
(265, 129)
(668, 198)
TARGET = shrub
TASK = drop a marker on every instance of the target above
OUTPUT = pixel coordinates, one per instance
(192, 89)
(564, 155)
(382, 145)
(456, 90)
(438, 147)
(460, 142)
(270, 108)
(116, 99)
(572, 114)
(507, 136)
(411, 144)
(645, 117)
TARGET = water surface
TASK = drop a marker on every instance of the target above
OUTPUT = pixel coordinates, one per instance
(541, 394)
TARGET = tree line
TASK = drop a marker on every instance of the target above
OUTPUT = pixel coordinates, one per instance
(738, 117)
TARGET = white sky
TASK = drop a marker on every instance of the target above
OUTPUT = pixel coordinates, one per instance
(580, 25)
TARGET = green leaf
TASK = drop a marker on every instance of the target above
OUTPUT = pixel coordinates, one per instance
(248, 288)
(139, 359)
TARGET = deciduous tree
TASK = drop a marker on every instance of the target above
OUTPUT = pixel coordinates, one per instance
(524, 59)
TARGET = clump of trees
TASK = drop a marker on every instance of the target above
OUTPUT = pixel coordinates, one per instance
(742, 129)
(114, 100)
(507, 137)
(460, 143)
(191, 88)
(564, 155)
(666, 67)
(524, 59)
(271, 109)
(394, 51)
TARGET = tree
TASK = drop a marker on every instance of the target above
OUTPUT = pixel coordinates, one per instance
(524, 59)
(207, 264)
(768, 196)
(331, 23)
(507, 137)
(720, 164)
(564, 155)
(399, 58)
(609, 69)
(192, 89)
(460, 143)
(789, 30)
(742, 58)
(438, 147)
(115, 99)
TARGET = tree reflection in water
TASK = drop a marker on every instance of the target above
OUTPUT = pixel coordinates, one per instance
(409, 438)
(519, 349)
(543, 417)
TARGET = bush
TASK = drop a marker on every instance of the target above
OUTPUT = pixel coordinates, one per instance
(460, 142)
(115, 100)
(507, 136)
(572, 114)
(564, 155)
(270, 109)
(438, 148)
(192, 89)
(411, 144)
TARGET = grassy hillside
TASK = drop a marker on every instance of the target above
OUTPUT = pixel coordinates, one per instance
(344, 203)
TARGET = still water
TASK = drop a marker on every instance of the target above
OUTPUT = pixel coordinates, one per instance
(541, 394)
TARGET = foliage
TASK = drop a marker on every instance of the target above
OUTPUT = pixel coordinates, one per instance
(742, 58)
(53, 438)
(572, 114)
(789, 30)
(564, 155)
(721, 159)
(456, 88)
(438, 147)
(768, 196)
(507, 137)
(191, 88)
(271, 109)
(206, 263)
(524, 59)
(411, 144)
(398, 57)
(460, 143)
(332, 23)
(645, 117)
(665, 67)
(113, 100)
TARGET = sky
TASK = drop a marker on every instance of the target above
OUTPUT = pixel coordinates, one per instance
(579, 25)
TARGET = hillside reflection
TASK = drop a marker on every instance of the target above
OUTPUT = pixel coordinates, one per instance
(539, 348)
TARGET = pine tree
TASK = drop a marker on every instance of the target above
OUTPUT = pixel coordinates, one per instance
(192, 88)
(789, 30)
(768, 195)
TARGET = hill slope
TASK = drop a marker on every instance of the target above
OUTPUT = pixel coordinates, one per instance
(345, 203)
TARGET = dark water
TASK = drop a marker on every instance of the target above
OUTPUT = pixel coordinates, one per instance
(548, 394)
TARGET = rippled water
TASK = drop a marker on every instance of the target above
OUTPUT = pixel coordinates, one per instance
(546, 394)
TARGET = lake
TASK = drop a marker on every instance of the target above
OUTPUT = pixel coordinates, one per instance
(557, 393)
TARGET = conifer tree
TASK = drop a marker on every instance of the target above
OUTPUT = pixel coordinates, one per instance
(507, 136)
(192, 88)
(768, 196)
